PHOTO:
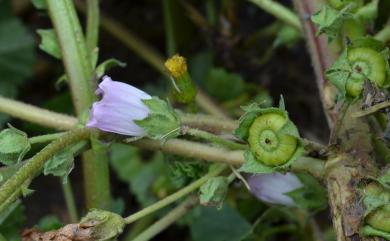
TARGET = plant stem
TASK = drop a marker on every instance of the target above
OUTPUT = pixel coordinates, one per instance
(74, 52)
(35, 164)
(280, 12)
(167, 220)
(45, 138)
(208, 122)
(384, 34)
(92, 35)
(175, 146)
(175, 196)
(193, 150)
(70, 201)
(371, 109)
(78, 68)
(170, 42)
(212, 138)
(138, 227)
(59, 121)
(36, 115)
(205, 152)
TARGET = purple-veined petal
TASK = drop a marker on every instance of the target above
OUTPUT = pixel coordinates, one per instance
(272, 187)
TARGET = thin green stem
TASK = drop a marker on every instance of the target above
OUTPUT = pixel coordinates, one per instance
(92, 34)
(37, 115)
(167, 220)
(139, 227)
(32, 167)
(170, 40)
(212, 138)
(45, 138)
(59, 121)
(211, 12)
(280, 12)
(193, 149)
(384, 34)
(208, 122)
(213, 154)
(70, 201)
(78, 68)
(175, 196)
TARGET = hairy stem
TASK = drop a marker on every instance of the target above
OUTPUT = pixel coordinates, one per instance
(36, 115)
(32, 167)
(280, 12)
(167, 220)
(78, 68)
(212, 138)
(205, 152)
(175, 196)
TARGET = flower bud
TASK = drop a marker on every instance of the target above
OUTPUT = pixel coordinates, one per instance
(184, 90)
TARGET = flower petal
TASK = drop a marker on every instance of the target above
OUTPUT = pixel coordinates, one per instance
(120, 105)
(272, 187)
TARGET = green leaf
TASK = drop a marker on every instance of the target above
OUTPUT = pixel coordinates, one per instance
(184, 170)
(60, 165)
(39, 4)
(14, 145)
(223, 85)
(48, 223)
(102, 68)
(329, 20)
(311, 196)
(162, 122)
(49, 42)
(367, 230)
(226, 224)
(213, 192)
(104, 225)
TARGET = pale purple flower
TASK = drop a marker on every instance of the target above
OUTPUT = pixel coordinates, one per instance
(272, 187)
(120, 105)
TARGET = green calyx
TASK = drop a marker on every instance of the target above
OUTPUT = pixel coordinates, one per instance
(273, 139)
(270, 146)
(376, 199)
(364, 60)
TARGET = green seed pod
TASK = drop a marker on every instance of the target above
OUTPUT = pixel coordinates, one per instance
(379, 217)
(184, 90)
(365, 63)
(269, 146)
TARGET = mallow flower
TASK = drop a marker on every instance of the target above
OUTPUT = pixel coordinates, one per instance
(120, 106)
(273, 187)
